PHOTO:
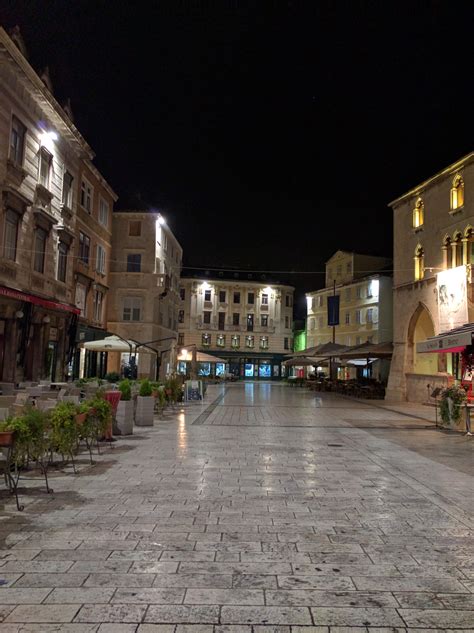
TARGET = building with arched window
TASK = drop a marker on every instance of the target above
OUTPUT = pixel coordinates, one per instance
(433, 260)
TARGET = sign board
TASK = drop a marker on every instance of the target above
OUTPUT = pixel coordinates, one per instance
(451, 288)
(443, 343)
(333, 310)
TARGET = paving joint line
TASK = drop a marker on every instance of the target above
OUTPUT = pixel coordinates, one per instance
(207, 412)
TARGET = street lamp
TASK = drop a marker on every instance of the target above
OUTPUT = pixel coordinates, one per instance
(184, 351)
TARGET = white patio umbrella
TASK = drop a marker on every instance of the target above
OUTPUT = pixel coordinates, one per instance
(116, 344)
(201, 357)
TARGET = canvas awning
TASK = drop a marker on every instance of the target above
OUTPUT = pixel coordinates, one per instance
(325, 350)
(368, 350)
(301, 361)
(453, 341)
(201, 357)
(116, 344)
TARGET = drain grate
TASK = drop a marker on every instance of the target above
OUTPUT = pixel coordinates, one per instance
(335, 445)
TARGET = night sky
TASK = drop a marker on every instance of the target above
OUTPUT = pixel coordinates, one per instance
(270, 134)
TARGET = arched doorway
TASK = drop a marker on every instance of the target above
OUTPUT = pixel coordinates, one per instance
(420, 328)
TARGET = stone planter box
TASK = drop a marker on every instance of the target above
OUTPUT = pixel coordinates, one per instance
(145, 410)
(124, 417)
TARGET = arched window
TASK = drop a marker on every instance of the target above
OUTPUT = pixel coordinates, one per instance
(457, 193)
(419, 263)
(447, 254)
(418, 214)
(457, 250)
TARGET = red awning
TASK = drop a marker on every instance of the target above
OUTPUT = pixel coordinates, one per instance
(45, 303)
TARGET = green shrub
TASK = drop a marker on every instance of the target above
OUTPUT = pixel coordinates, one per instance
(145, 388)
(64, 430)
(112, 376)
(101, 410)
(125, 389)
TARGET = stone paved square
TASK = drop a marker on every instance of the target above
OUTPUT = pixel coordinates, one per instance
(264, 509)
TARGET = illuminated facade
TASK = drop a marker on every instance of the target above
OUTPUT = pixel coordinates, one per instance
(433, 232)
(365, 300)
(41, 153)
(144, 284)
(247, 323)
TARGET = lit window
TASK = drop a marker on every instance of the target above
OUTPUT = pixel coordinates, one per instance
(62, 261)
(103, 212)
(84, 247)
(264, 342)
(135, 228)
(457, 193)
(207, 295)
(45, 161)
(98, 303)
(206, 340)
(40, 249)
(220, 340)
(206, 317)
(419, 263)
(12, 222)
(132, 307)
(100, 260)
(86, 196)
(418, 214)
(17, 141)
(249, 341)
(235, 341)
(264, 320)
(134, 263)
(264, 299)
(67, 190)
(370, 315)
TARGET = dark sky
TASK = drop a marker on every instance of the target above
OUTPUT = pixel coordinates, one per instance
(270, 133)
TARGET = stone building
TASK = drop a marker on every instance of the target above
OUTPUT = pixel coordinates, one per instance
(365, 302)
(40, 155)
(92, 254)
(243, 319)
(144, 285)
(433, 233)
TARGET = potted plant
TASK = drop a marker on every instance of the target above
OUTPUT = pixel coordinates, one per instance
(145, 405)
(82, 413)
(452, 399)
(124, 414)
(6, 434)
(64, 430)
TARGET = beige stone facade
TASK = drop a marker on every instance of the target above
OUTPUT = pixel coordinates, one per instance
(433, 231)
(246, 323)
(144, 285)
(365, 297)
(40, 155)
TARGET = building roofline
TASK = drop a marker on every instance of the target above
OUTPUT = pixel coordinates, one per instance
(147, 213)
(349, 283)
(101, 178)
(222, 280)
(358, 255)
(415, 191)
(42, 92)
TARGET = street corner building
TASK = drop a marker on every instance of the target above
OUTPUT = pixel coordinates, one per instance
(53, 203)
(433, 281)
(243, 319)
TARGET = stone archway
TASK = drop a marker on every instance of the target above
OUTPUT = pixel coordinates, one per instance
(421, 327)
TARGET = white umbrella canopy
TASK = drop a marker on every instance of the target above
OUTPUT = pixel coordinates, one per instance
(201, 357)
(116, 344)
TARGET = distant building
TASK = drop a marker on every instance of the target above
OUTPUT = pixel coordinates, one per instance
(243, 319)
(365, 301)
(144, 290)
(433, 279)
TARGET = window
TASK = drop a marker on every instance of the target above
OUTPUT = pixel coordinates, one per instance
(264, 342)
(86, 196)
(358, 317)
(222, 296)
(236, 318)
(134, 263)
(132, 307)
(235, 341)
(100, 261)
(457, 193)
(249, 322)
(320, 322)
(206, 317)
(418, 214)
(98, 303)
(348, 294)
(249, 341)
(359, 292)
(320, 301)
(103, 212)
(348, 318)
(40, 249)
(251, 298)
(81, 295)
(457, 250)
(348, 267)
(236, 297)
(182, 294)
(285, 343)
(67, 190)
(287, 322)
(45, 161)
(370, 315)
(312, 324)
(134, 228)
(207, 295)
(264, 320)
(369, 291)
(221, 320)
(84, 247)
(220, 340)
(264, 299)
(288, 301)
(419, 263)
(62, 261)
(206, 340)
(357, 340)
(17, 141)
(181, 316)
(180, 338)
(12, 222)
